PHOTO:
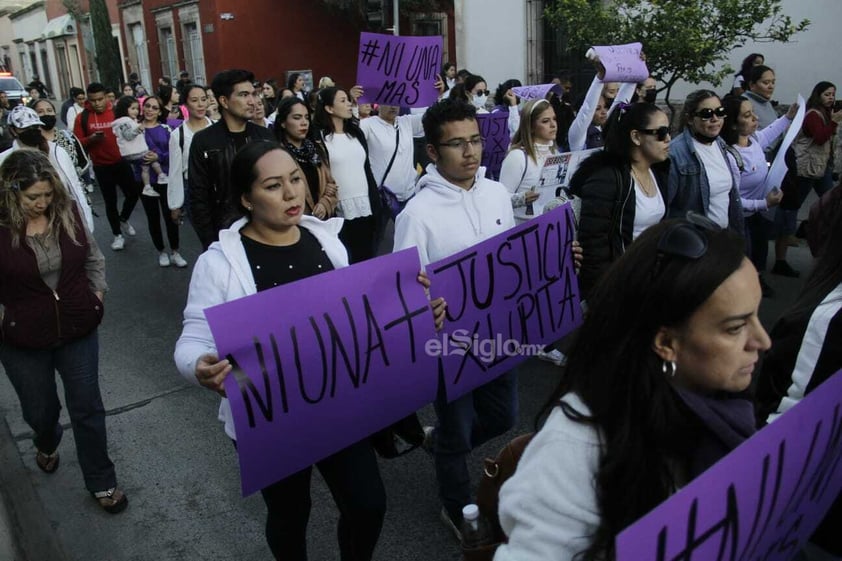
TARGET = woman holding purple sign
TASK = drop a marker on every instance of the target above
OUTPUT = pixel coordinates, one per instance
(276, 243)
(652, 395)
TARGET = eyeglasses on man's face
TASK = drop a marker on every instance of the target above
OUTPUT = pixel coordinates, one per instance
(462, 144)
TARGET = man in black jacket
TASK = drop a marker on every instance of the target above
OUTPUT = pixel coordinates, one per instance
(213, 150)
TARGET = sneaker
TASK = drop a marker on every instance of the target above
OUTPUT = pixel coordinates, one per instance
(119, 243)
(429, 436)
(768, 291)
(164, 259)
(148, 191)
(127, 229)
(178, 260)
(553, 355)
(163, 179)
(450, 524)
(781, 267)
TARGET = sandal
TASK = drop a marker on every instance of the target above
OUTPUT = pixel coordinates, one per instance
(48, 463)
(112, 501)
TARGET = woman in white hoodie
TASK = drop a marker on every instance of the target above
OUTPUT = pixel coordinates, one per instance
(275, 243)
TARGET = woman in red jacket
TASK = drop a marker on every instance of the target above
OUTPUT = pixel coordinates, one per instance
(813, 148)
(52, 283)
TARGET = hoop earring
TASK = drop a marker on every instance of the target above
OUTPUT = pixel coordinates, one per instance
(668, 368)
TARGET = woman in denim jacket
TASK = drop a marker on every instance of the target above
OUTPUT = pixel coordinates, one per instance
(704, 176)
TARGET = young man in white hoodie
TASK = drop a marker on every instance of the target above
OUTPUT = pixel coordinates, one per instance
(456, 207)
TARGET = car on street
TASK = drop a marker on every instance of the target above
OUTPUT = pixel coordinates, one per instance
(14, 89)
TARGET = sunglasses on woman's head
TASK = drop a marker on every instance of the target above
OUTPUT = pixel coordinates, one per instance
(661, 133)
(708, 113)
(686, 239)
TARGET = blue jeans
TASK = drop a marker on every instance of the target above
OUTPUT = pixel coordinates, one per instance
(464, 424)
(33, 375)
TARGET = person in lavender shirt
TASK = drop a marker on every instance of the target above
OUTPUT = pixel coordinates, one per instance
(746, 141)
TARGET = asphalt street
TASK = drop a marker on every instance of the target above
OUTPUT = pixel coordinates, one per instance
(176, 464)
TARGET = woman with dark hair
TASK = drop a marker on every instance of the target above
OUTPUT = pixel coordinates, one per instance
(172, 113)
(760, 88)
(813, 153)
(506, 100)
(269, 89)
(740, 78)
(51, 293)
(806, 351)
(651, 398)
(704, 176)
(477, 90)
(623, 187)
(275, 243)
(296, 85)
(347, 153)
(156, 207)
(196, 102)
(741, 134)
(65, 139)
(292, 129)
(448, 75)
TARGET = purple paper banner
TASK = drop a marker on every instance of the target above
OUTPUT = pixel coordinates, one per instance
(398, 70)
(494, 128)
(762, 501)
(506, 298)
(538, 91)
(623, 63)
(324, 362)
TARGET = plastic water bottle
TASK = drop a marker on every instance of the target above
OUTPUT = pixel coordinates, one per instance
(476, 531)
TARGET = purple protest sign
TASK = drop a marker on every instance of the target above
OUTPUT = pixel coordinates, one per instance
(762, 501)
(623, 63)
(398, 70)
(494, 128)
(539, 91)
(506, 297)
(324, 362)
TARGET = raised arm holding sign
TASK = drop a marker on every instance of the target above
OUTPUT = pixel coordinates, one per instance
(623, 63)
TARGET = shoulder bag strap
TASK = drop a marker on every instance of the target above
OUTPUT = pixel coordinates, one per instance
(394, 154)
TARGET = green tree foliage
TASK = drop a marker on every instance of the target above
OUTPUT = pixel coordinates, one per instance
(107, 55)
(683, 39)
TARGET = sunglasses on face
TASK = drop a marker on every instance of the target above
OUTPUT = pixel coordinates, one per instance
(661, 133)
(686, 239)
(483, 92)
(708, 113)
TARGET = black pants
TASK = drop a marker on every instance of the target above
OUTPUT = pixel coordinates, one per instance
(155, 207)
(758, 231)
(109, 177)
(359, 237)
(353, 477)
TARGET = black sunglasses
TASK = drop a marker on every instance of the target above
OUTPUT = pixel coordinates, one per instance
(707, 113)
(661, 133)
(686, 239)
(483, 92)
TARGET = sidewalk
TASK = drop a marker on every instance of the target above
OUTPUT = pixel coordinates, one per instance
(25, 531)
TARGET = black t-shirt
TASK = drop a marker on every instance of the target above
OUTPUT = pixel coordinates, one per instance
(273, 265)
(240, 139)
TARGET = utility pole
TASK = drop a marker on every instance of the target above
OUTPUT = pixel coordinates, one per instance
(396, 17)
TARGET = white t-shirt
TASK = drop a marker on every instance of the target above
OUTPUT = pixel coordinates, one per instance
(648, 211)
(381, 136)
(347, 163)
(719, 179)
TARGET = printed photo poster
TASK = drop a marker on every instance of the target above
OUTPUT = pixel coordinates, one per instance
(321, 363)
(398, 71)
(506, 298)
(760, 502)
(557, 172)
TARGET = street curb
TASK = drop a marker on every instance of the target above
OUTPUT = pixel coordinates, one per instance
(32, 536)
